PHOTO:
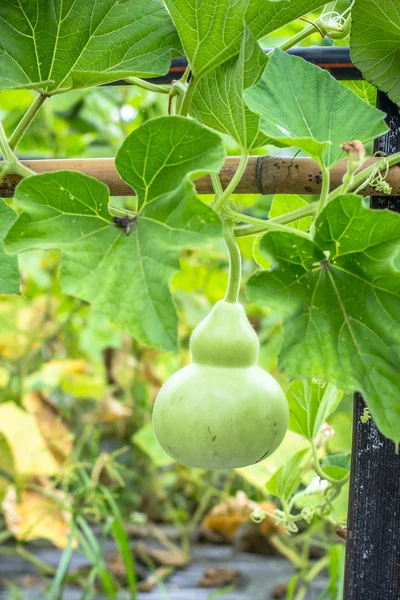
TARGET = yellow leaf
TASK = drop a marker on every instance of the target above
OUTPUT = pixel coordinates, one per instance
(24, 324)
(6, 466)
(76, 377)
(110, 411)
(37, 516)
(259, 473)
(4, 377)
(29, 449)
(54, 431)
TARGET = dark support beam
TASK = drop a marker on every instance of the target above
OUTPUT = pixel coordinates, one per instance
(373, 532)
(335, 59)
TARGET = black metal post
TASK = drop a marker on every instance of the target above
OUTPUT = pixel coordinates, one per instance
(373, 532)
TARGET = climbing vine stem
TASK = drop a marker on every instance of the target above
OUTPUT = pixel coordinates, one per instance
(257, 226)
(324, 189)
(220, 200)
(10, 163)
(361, 179)
(321, 473)
(235, 263)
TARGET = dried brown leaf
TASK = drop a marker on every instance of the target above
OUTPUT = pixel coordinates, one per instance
(214, 577)
(34, 515)
(226, 517)
(57, 435)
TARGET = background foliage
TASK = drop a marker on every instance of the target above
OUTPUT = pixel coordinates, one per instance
(76, 390)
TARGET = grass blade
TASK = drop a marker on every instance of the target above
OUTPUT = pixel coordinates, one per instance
(122, 541)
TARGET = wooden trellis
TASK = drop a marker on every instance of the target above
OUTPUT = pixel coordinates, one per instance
(263, 175)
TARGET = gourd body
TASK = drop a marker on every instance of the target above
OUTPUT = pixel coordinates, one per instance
(222, 411)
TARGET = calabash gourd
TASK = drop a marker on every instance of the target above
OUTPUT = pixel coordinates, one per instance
(222, 411)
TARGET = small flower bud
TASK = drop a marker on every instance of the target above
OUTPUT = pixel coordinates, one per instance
(356, 154)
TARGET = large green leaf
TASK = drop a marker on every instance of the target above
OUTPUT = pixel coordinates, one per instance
(285, 203)
(375, 43)
(218, 99)
(161, 155)
(302, 105)
(339, 294)
(124, 276)
(98, 41)
(363, 89)
(310, 404)
(210, 31)
(9, 274)
(265, 17)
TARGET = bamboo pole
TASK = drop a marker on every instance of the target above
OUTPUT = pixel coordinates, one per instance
(263, 175)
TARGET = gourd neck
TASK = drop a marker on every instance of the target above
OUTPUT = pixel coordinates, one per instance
(225, 338)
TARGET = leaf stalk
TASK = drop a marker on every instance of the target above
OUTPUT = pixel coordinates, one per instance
(26, 120)
(258, 226)
(146, 85)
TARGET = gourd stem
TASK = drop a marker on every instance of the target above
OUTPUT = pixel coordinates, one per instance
(235, 263)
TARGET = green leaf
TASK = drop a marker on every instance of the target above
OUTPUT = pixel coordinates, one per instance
(7, 81)
(285, 203)
(336, 465)
(335, 472)
(339, 295)
(337, 460)
(146, 440)
(98, 41)
(337, 556)
(285, 481)
(375, 43)
(282, 204)
(259, 473)
(363, 89)
(211, 32)
(9, 273)
(318, 113)
(160, 157)
(218, 98)
(310, 405)
(126, 277)
(265, 17)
